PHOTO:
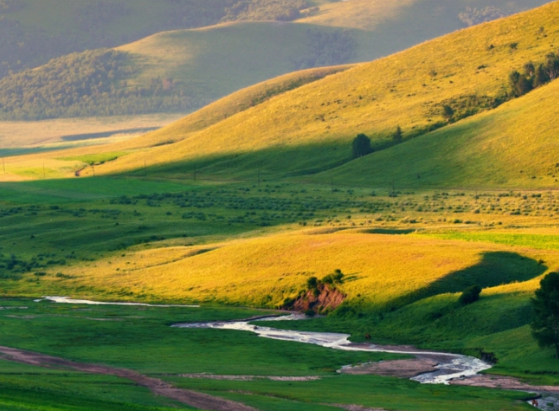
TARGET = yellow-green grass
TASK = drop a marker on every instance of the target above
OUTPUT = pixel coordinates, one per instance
(314, 124)
(20, 165)
(381, 270)
(233, 104)
(514, 146)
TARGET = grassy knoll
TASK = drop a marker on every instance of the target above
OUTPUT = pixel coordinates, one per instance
(512, 146)
(36, 31)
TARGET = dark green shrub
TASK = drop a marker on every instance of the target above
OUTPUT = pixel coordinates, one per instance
(470, 295)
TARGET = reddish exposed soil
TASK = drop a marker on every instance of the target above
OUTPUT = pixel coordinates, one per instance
(158, 387)
(327, 298)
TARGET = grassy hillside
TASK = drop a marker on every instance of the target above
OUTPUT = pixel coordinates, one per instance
(511, 147)
(310, 129)
(180, 71)
(177, 71)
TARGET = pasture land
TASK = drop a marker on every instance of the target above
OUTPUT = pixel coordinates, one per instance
(139, 338)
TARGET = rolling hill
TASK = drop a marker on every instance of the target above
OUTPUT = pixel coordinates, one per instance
(243, 202)
(310, 129)
(183, 70)
(35, 31)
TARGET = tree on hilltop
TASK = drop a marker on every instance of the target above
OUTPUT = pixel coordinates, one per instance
(545, 325)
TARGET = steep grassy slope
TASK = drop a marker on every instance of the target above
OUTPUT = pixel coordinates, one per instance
(511, 147)
(233, 104)
(310, 129)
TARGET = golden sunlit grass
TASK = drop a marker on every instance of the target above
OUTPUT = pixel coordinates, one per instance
(264, 271)
(311, 127)
(406, 89)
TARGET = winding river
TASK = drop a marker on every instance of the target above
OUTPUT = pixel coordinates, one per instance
(450, 366)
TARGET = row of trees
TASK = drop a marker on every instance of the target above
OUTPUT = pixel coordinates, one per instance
(534, 76)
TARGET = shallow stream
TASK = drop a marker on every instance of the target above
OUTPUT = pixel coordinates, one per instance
(450, 366)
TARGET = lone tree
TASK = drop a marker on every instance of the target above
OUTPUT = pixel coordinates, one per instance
(545, 326)
(398, 136)
(361, 146)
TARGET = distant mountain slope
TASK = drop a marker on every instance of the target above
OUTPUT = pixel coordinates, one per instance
(35, 31)
(180, 71)
(310, 129)
(177, 71)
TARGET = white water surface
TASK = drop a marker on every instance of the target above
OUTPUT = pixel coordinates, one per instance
(67, 300)
(450, 366)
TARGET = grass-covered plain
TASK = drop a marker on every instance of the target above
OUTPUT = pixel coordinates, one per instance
(406, 257)
(140, 338)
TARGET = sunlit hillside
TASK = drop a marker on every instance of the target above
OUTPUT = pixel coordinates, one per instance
(310, 129)
(222, 50)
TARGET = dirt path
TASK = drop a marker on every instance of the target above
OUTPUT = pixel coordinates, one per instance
(157, 386)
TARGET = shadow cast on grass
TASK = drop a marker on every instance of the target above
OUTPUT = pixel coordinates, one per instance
(495, 268)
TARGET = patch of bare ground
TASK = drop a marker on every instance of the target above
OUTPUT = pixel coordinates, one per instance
(324, 297)
(503, 383)
(397, 368)
(157, 386)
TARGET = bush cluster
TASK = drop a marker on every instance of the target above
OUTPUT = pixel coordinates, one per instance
(534, 76)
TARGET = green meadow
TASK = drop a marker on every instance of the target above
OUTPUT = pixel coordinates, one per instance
(238, 206)
(127, 336)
